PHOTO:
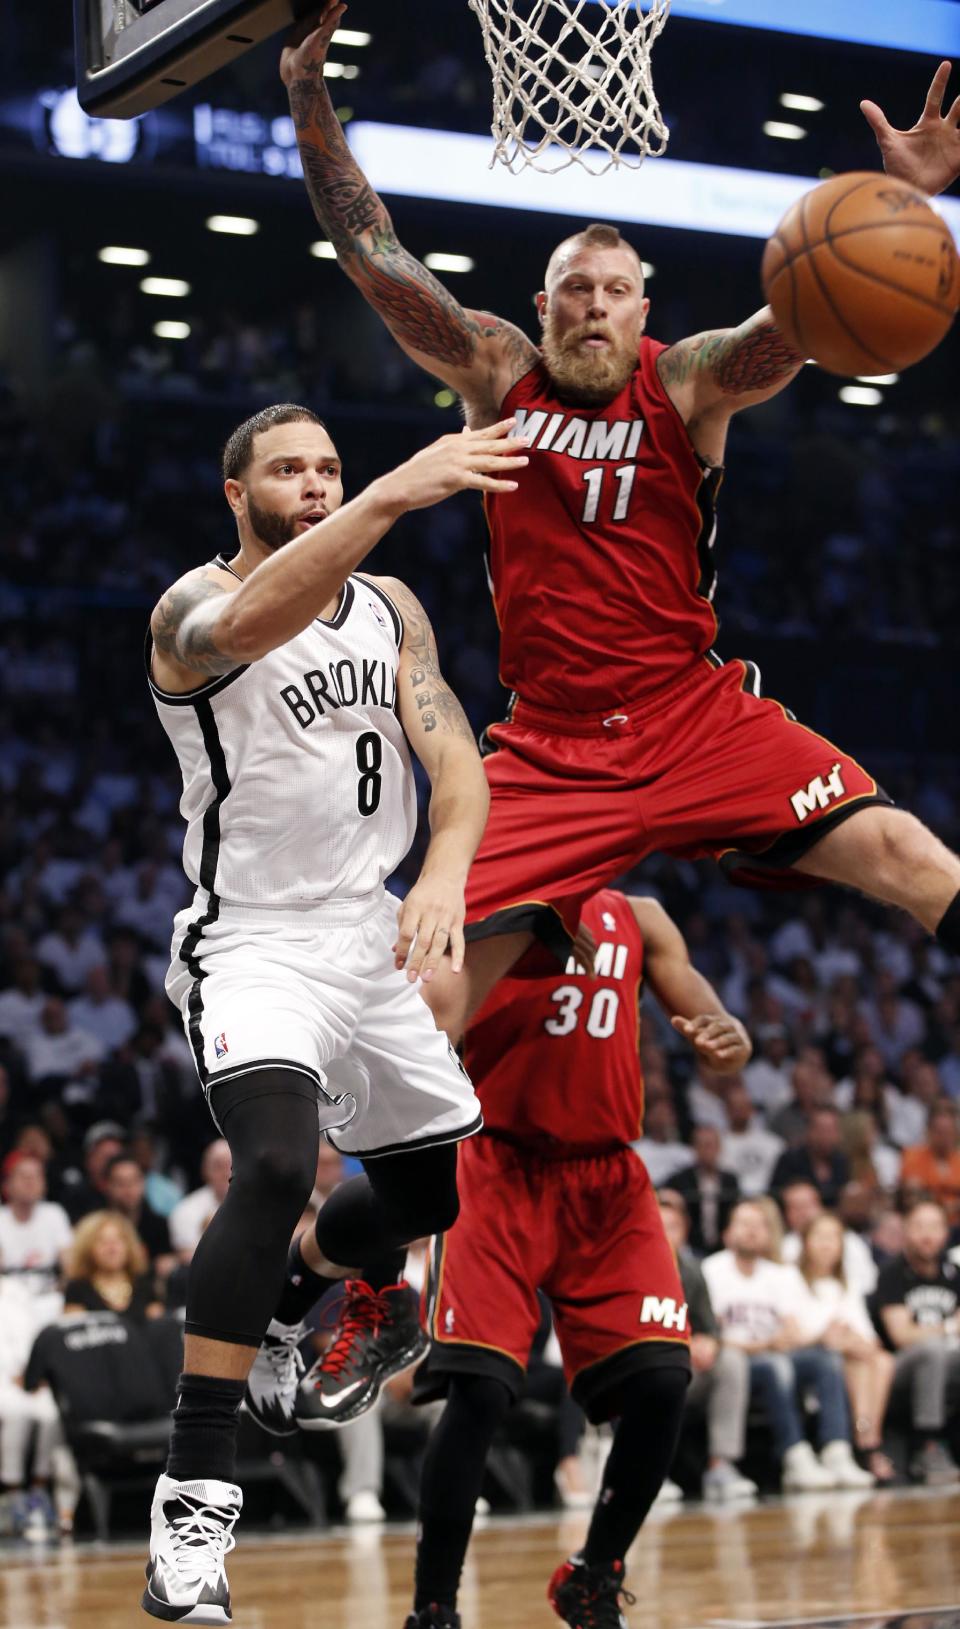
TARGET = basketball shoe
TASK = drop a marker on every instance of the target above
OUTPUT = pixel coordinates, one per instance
(434, 1617)
(272, 1382)
(378, 1336)
(589, 1597)
(191, 1533)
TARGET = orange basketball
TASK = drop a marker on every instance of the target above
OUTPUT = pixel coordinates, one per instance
(863, 275)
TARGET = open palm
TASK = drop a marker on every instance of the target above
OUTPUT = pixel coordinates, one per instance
(927, 155)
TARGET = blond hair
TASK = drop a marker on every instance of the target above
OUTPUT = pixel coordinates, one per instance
(804, 1262)
(771, 1211)
(81, 1263)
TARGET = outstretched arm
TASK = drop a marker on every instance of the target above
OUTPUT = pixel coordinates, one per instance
(431, 917)
(928, 154)
(476, 354)
(713, 375)
(689, 1000)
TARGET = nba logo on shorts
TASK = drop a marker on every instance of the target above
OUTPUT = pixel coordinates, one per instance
(448, 1321)
(220, 1045)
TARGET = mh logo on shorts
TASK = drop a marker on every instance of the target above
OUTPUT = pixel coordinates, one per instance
(818, 793)
(220, 1046)
(665, 1312)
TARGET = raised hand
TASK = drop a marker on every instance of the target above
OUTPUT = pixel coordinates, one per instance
(928, 154)
(479, 460)
(305, 51)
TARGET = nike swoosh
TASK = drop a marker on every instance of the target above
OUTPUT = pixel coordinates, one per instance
(333, 1398)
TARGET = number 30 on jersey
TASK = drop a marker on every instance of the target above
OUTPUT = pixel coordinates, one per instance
(600, 1019)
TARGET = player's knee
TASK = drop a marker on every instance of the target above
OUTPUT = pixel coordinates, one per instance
(659, 1393)
(484, 1399)
(425, 1214)
(447, 999)
(283, 1174)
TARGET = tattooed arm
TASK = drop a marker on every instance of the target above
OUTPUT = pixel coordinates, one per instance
(714, 375)
(440, 735)
(478, 355)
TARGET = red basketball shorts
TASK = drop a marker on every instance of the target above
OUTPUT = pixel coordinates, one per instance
(588, 1233)
(709, 770)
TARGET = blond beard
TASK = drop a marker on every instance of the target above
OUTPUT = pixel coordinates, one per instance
(592, 378)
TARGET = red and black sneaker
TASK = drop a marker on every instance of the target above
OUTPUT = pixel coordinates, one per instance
(589, 1597)
(434, 1617)
(378, 1335)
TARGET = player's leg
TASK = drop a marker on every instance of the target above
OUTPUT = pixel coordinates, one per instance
(482, 1312)
(454, 998)
(890, 855)
(367, 1223)
(270, 1119)
(621, 1322)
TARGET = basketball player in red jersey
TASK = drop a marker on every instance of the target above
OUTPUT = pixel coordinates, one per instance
(627, 734)
(552, 1196)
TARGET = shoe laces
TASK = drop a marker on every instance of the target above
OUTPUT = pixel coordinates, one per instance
(280, 1351)
(603, 1591)
(361, 1311)
(202, 1538)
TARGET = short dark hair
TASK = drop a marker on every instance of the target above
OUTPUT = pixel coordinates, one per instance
(120, 1159)
(239, 447)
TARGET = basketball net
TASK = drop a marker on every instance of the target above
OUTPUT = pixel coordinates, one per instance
(572, 82)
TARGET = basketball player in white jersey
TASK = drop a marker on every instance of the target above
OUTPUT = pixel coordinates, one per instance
(290, 688)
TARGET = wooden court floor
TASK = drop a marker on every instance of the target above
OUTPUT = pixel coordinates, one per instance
(871, 1558)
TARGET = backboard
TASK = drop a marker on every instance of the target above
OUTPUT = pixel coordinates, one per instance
(134, 54)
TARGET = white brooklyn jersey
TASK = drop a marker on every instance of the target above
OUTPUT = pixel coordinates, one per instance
(297, 781)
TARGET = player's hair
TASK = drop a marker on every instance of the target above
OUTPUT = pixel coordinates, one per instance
(595, 236)
(239, 447)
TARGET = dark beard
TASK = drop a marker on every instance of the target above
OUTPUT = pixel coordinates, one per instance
(590, 379)
(271, 529)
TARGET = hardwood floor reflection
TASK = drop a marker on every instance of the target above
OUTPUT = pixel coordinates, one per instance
(817, 1557)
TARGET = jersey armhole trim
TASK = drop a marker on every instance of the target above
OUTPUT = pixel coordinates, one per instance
(186, 698)
(395, 617)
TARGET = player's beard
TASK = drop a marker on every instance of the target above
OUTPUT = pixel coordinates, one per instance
(272, 529)
(592, 378)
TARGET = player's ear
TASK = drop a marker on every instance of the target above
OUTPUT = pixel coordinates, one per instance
(645, 303)
(233, 492)
(540, 301)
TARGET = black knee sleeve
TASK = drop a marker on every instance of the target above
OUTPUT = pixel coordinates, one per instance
(269, 1118)
(650, 1405)
(451, 1481)
(401, 1197)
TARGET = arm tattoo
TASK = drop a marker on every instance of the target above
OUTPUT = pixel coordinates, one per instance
(193, 646)
(420, 313)
(741, 361)
(436, 703)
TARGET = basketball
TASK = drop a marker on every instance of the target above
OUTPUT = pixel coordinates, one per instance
(863, 275)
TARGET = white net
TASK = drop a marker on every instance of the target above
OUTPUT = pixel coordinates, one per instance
(572, 81)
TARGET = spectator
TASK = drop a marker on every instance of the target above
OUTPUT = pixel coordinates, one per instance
(759, 1306)
(748, 1149)
(59, 1055)
(22, 1004)
(802, 1205)
(124, 1188)
(101, 1013)
(909, 1111)
(873, 1163)
(934, 1166)
(847, 1329)
(660, 1147)
(70, 951)
(896, 1024)
(917, 1299)
(35, 1235)
(102, 1143)
(709, 1192)
(812, 1088)
(820, 1160)
(25, 1415)
(768, 1076)
(109, 1270)
(721, 1373)
(190, 1217)
(162, 1192)
(706, 1104)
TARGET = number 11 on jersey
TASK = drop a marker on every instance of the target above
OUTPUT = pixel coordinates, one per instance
(593, 479)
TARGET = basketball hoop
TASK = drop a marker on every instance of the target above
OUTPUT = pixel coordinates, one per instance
(572, 82)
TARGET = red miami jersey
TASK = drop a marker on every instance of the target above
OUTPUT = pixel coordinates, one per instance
(601, 564)
(555, 1060)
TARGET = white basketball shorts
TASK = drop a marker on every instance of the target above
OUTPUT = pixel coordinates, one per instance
(316, 991)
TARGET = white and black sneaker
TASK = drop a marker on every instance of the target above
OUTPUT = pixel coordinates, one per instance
(273, 1381)
(191, 1534)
